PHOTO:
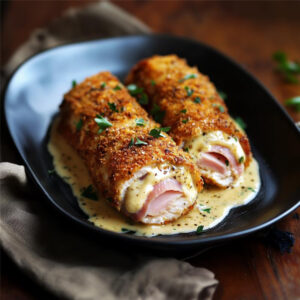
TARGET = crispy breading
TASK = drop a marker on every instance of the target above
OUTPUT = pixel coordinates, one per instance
(190, 101)
(112, 156)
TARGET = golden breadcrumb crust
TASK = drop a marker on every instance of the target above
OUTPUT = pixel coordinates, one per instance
(110, 156)
(192, 106)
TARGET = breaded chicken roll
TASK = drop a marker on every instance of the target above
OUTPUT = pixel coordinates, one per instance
(133, 163)
(185, 100)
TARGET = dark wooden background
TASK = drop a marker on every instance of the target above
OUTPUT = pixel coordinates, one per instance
(249, 32)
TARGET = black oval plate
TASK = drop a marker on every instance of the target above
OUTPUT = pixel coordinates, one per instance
(35, 91)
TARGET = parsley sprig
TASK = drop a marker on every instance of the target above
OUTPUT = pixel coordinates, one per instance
(102, 122)
(157, 114)
(189, 91)
(89, 192)
(241, 122)
(137, 142)
(79, 125)
(138, 93)
(294, 102)
(289, 69)
(140, 122)
(113, 107)
(157, 132)
(188, 76)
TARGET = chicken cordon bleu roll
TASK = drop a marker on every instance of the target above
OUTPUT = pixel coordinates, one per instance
(186, 101)
(133, 162)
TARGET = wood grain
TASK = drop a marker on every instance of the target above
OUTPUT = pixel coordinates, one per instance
(249, 32)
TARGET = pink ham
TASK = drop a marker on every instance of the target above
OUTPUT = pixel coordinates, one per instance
(216, 160)
(162, 195)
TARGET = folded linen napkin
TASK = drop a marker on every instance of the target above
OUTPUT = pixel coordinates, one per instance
(46, 246)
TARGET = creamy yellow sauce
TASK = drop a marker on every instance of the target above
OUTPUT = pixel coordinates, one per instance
(212, 206)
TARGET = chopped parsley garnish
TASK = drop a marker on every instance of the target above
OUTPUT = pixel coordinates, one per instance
(156, 132)
(89, 192)
(240, 122)
(221, 108)
(207, 210)
(140, 122)
(188, 76)
(197, 100)
(289, 69)
(117, 87)
(185, 149)
(103, 85)
(74, 83)
(138, 93)
(199, 229)
(251, 189)
(241, 159)
(102, 122)
(113, 107)
(131, 143)
(153, 82)
(235, 138)
(294, 102)
(157, 114)
(226, 162)
(125, 230)
(222, 95)
(189, 91)
(79, 125)
(183, 111)
(133, 89)
(138, 142)
(50, 172)
(185, 121)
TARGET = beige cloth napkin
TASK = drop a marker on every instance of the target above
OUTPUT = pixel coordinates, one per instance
(49, 248)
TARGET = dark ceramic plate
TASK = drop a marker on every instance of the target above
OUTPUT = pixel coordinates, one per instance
(35, 91)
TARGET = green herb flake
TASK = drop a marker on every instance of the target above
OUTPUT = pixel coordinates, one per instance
(222, 95)
(130, 231)
(189, 91)
(113, 107)
(74, 83)
(197, 100)
(153, 82)
(156, 133)
(199, 229)
(131, 143)
(79, 125)
(143, 99)
(226, 162)
(251, 189)
(134, 90)
(188, 76)
(289, 69)
(183, 111)
(157, 114)
(240, 122)
(221, 108)
(102, 122)
(89, 192)
(140, 122)
(185, 149)
(294, 102)
(207, 210)
(103, 85)
(241, 159)
(117, 87)
(185, 121)
(138, 142)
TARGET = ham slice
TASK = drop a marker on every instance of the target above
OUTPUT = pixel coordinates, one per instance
(162, 195)
(216, 160)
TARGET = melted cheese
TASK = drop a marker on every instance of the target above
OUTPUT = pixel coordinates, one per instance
(204, 143)
(138, 190)
(212, 206)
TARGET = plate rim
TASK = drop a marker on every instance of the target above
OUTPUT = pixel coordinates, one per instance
(134, 238)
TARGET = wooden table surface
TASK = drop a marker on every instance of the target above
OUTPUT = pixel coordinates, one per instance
(249, 32)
